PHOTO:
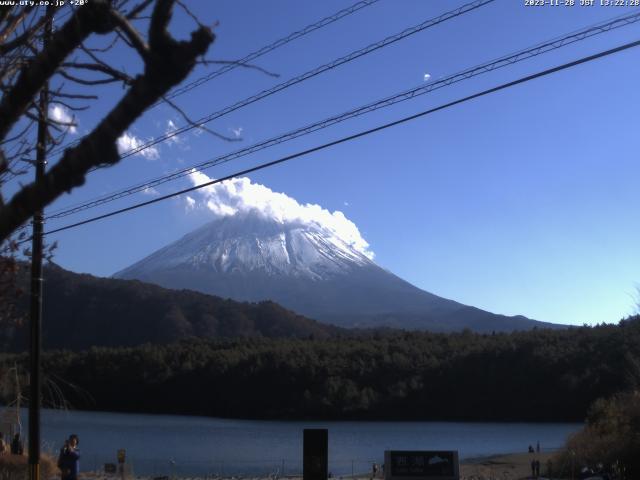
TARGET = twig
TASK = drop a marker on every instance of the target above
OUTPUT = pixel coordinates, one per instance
(74, 108)
(133, 14)
(102, 68)
(132, 34)
(190, 13)
(239, 64)
(75, 96)
(196, 124)
(103, 49)
(83, 81)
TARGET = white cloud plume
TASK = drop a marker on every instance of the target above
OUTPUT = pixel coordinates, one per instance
(59, 113)
(171, 128)
(427, 76)
(130, 142)
(150, 191)
(240, 195)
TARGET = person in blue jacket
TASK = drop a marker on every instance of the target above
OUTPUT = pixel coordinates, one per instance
(69, 459)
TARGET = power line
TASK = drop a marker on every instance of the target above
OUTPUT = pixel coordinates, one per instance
(315, 72)
(483, 68)
(311, 74)
(501, 62)
(357, 135)
(254, 55)
(268, 48)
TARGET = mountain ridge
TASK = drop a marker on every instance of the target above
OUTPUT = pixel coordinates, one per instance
(81, 311)
(309, 269)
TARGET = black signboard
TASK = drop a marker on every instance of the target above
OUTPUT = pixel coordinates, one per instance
(315, 450)
(421, 464)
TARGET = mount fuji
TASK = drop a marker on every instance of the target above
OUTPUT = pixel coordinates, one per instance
(306, 267)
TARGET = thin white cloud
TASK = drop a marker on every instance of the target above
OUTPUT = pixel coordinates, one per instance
(150, 191)
(171, 128)
(59, 113)
(190, 203)
(427, 76)
(237, 132)
(241, 196)
(129, 142)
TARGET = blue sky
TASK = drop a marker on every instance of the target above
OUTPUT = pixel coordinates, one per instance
(522, 202)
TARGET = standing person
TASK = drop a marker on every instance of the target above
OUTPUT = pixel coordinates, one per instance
(69, 459)
(16, 445)
(3, 445)
(62, 459)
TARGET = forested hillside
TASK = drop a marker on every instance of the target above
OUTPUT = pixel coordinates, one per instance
(537, 375)
(80, 311)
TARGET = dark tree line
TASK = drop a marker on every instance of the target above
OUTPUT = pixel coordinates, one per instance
(81, 311)
(540, 375)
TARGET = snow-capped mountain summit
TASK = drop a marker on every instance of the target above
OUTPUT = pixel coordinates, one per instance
(248, 243)
(306, 267)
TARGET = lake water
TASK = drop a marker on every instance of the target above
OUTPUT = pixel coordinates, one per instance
(189, 446)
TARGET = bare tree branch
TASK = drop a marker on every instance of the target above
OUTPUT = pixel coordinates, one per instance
(103, 49)
(138, 9)
(101, 67)
(168, 63)
(4, 12)
(83, 81)
(17, 135)
(21, 39)
(239, 64)
(75, 96)
(13, 22)
(73, 108)
(93, 17)
(189, 13)
(197, 125)
(133, 36)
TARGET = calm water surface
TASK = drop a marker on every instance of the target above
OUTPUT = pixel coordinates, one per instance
(170, 444)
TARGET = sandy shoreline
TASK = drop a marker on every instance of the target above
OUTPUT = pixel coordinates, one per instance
(514, 466)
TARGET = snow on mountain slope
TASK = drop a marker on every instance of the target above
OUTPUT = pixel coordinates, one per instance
(249, 243)
(265, 245)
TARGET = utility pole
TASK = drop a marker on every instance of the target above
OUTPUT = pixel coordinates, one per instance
(35, 339)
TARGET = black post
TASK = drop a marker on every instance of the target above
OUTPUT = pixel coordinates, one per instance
(35, 340)
(315, 448)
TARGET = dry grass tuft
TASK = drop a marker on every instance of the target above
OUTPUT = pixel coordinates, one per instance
(15, 467)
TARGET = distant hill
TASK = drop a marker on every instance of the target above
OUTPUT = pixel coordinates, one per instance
(80, 311)
(308, 268)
